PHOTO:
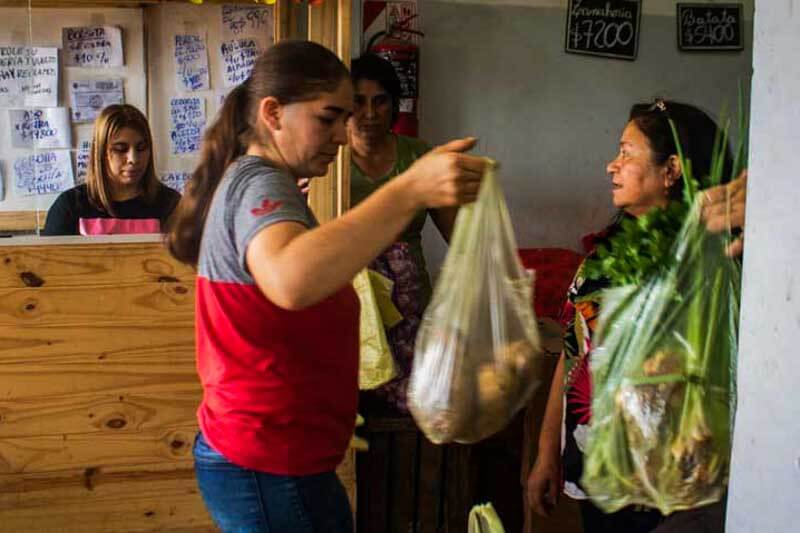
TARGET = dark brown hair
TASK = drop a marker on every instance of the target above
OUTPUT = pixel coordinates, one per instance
(696, 133)
(375, 68)
(107, 125)
(290, 71)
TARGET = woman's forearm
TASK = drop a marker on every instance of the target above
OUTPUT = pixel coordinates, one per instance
(550, 435)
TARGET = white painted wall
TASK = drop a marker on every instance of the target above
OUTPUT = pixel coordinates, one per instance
(498, 70)
(43, 28)
(765, 482)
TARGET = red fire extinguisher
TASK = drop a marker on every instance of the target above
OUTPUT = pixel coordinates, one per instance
(404, 57)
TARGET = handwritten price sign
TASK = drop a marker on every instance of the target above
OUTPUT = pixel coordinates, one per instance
(95, 47)
(191, 60)
(710, 27)
(43, 173)
(608, 28)
(238, 58)
(188, 118)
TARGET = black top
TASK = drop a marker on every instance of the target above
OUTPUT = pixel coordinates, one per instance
(64, 216)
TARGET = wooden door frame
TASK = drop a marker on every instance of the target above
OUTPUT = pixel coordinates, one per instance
(330, 25)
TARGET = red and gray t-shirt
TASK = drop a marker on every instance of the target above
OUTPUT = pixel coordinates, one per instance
(280, 387)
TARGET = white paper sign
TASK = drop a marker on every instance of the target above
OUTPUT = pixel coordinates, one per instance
(89, 97)
(176, 180)
(92, 46)
(82, 161)
(191, 63)
(238, 58)
(14, 71)
(28, 76)
(188, 118)
(43, 88)
(40, 128)
(243, 21)
(44, 173)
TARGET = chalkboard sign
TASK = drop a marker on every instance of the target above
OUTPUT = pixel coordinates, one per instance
(710, 27)
(608, 28)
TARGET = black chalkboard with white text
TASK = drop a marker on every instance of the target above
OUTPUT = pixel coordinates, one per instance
(710, 27)
(608, 28)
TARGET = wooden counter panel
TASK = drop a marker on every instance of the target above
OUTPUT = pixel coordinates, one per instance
(38, 381)
(167, 502)
(77, 265)
(99, 306)
(93, 414)
(98, 391)
(127, 346)
(89, 478)
(54, 453)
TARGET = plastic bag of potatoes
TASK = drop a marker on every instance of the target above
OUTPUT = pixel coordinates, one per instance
(477, 355)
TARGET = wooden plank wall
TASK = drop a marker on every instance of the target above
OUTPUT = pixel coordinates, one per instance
(98, 390)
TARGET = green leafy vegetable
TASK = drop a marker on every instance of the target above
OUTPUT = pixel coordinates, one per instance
(640, 248)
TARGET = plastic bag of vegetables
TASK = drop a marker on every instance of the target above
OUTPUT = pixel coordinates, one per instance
(663, 370)
(477, 356)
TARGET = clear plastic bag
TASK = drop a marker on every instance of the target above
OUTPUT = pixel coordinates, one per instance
(663, 375)
(483, 519)
(477, 355)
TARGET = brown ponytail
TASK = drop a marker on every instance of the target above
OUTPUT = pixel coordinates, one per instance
(291, 71)
(222, 144)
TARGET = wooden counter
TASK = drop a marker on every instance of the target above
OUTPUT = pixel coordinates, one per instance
(98, 388)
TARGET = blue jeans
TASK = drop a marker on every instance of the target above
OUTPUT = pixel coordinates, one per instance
(245, 501)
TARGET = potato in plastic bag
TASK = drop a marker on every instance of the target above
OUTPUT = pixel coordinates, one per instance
(477, 356)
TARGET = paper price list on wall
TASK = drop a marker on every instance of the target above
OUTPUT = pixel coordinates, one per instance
(28, 76)
(42, 173)
(188, 118)
(247, 31)
(93, 47)
(241, 21)
(238, 58)
(191, 60)
(40, 128)
(82, 161)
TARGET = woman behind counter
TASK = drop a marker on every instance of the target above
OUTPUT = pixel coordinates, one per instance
(122, 193)
(378, 155)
